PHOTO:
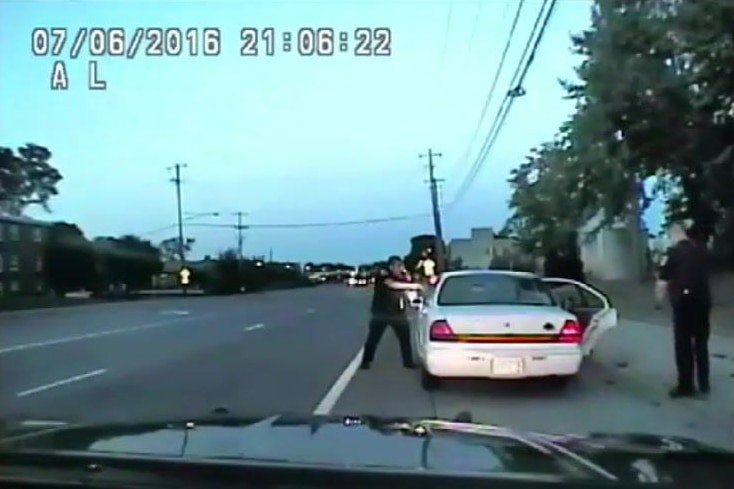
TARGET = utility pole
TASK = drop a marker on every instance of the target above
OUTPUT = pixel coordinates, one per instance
(240, 238)
(177, 181)
(438, 228)
(181, 244)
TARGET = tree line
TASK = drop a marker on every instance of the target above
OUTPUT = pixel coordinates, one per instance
(653, 121)
(72, 261)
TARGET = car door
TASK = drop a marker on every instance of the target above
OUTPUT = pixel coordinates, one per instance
(418, 325)
(592, 307)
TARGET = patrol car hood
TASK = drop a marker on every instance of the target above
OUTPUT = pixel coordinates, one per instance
(372, 443)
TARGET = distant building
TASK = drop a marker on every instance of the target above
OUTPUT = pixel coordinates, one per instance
(21, 255)
(617, 252)
(479, 250)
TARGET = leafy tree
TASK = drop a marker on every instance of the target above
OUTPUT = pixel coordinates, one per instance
(228, 278)
(26, 178)
(128, 260)
(69, 259)
(653, 100)
(169, 248)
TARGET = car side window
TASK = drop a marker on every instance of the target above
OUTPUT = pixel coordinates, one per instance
(590, 300)
(568, 295)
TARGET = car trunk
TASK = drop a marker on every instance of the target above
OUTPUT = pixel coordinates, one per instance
(504, 320)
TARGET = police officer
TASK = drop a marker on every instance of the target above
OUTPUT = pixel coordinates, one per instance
(389, 309)
(684, 275)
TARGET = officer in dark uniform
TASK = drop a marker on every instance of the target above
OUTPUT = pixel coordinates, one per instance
(684, 274)
(389, 309)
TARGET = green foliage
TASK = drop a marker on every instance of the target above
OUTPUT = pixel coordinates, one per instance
(26, 178)
(653, 99)
(232, 276)
(70, 261)
(170, 248)
(127, 260)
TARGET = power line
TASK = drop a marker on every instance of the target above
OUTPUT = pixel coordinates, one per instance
(514, 91)
(357, 222)
(447, 32)
(486, 147)
(500, 66)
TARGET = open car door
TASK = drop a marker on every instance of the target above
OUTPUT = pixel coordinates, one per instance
(592, 308)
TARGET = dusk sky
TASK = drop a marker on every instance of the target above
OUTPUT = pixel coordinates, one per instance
(285, 138)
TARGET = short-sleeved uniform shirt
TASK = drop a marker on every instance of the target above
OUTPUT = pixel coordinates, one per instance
(386, 301)
(686, 268)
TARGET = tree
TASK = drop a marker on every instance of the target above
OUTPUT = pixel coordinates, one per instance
(653, 101)
(26, 178)
(228, 278)
(69, 259)
(169, 248)
(128, 260)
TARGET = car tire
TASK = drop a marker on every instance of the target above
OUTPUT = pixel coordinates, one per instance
(429, 382)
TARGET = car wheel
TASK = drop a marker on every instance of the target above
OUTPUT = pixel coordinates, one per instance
(429, 382)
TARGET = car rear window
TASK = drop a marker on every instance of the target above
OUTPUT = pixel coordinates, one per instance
(497, 289)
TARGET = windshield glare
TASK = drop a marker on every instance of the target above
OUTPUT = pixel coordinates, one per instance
(493, 289)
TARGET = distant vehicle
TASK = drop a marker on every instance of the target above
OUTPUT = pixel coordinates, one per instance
(506, 325)
(358, 280)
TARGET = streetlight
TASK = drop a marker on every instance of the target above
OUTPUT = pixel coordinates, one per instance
(190, 216)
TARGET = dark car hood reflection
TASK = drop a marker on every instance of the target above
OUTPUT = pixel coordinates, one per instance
(375, 443)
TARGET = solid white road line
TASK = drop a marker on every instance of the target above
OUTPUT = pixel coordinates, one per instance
(254, 327)
(61, 382)
(69, 339)
(341, 384)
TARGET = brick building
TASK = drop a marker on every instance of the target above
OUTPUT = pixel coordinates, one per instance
(21, 255)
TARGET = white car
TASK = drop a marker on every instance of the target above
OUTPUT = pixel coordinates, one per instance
(506, 325)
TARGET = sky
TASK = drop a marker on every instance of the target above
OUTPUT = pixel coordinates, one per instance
(286, 139)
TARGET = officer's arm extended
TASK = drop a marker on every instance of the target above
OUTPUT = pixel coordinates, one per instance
(396, 285)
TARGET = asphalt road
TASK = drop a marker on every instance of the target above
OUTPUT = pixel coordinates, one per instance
(297, 351)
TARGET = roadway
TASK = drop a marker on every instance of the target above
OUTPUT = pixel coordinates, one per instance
(297, 351)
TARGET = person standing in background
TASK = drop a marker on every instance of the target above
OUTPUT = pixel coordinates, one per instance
(684, 278)
(426, 266)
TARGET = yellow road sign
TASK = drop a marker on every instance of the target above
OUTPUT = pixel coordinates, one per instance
(185, 275)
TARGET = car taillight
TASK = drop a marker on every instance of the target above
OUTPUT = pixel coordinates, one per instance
(441, 331)
(570, 332)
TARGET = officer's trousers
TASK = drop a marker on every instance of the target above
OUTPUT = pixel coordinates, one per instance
(378, 324)
(691, 330)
